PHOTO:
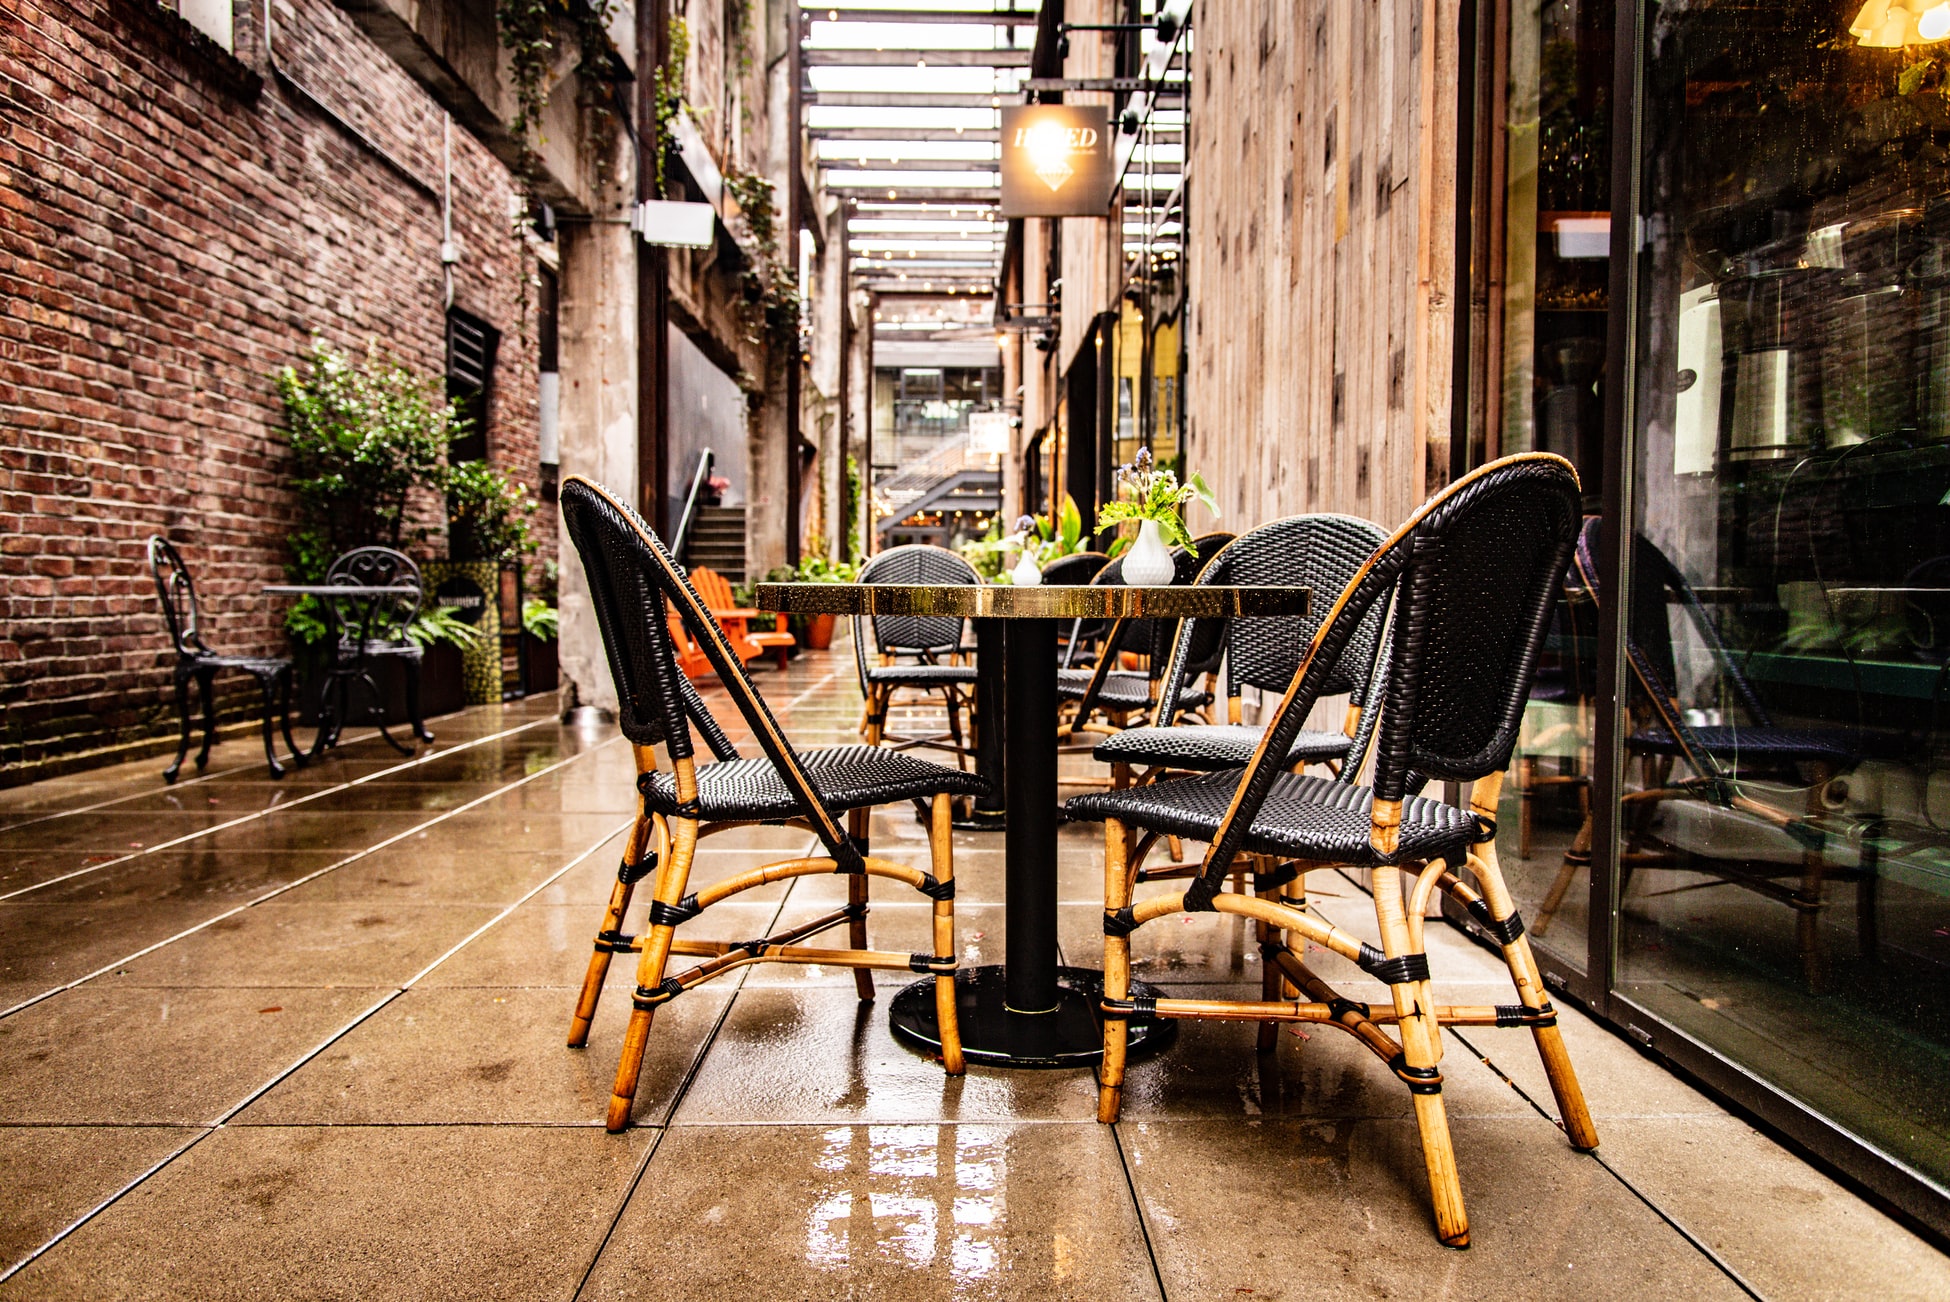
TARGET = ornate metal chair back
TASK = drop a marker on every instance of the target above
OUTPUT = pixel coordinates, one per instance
(375, 567)
(1470, 578)
(177, 593)
(633, 583)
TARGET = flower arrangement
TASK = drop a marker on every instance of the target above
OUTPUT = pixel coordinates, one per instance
(1151, 492)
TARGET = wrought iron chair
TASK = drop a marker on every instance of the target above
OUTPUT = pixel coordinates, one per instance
(1322, 552)
(1469, 581)
(195, 661)
(1723, 758)
(633, 581)
(365, 629)
(1119, 694)
(914, 653)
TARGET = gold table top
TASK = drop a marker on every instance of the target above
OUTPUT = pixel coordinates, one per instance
(1005, 601)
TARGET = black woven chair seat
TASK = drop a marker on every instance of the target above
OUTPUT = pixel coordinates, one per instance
(1213, 747)
(1123, 689)
(912, 675)
(1303, 817)
(262, 666)
(845, 777)
(1781, 745)
(376, 647)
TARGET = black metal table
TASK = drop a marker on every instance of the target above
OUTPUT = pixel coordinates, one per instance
(1035, 1012)
(368, 599)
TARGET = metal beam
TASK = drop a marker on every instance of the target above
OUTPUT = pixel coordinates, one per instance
(915, 99)
(974, 17)
(934, 192)
(903, 133)
(831, 58)
(841, 163)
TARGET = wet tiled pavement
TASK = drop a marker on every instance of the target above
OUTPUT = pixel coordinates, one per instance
(305, 1039)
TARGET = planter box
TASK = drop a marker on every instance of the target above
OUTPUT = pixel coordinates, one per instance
(544, 669)
(441, 688)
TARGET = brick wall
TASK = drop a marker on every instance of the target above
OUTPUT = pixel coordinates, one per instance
(176, 223)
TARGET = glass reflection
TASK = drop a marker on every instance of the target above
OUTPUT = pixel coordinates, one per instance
(1786, 884)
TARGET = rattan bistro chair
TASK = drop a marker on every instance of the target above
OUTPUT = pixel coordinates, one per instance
(195, 661)
(1322, 552)
(914, 653)
(633, 582)
(1470, 580)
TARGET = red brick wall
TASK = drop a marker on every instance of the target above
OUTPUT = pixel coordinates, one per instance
(175, 224)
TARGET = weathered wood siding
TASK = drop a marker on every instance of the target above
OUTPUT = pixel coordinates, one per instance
(1321, 228)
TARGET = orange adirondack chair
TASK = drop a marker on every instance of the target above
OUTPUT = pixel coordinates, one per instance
(750, 643)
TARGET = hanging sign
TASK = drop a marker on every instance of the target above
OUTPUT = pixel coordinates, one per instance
(1056, 160)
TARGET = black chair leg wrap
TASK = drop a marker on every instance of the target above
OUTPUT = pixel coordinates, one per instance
(935, 890)
(1279, 877)
(1141, 1007)
(615, 942)
(1393, 971)
(1505, 931)
(632, 873)
(1339, 1008)
(646, 998)
(1121, 922)
(1420, 1080)
(1518, 1015)
(670, 915)
(938, 964)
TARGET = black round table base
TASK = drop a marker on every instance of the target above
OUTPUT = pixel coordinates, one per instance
(1070, 1035)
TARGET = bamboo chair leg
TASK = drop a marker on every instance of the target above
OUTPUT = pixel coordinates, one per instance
(1117, 971)
(1272, 979)
(1578, 1127)
(954, 728)
(1578, 856)
(642, 835)
(857, 824)
(645, 833)
(1526, 795)
(673, 874)
(941, 844)
(1421, 1051)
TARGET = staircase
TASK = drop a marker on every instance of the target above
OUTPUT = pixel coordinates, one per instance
(717, 541)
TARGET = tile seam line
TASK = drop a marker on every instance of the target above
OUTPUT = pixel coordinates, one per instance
(273, 893)
(1137, 1207)
(358, 737)
(274, 809)
(676, 1101)
(224, 1118)
(1725, 1267)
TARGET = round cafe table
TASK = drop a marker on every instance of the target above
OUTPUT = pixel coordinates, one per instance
(1035, 1012)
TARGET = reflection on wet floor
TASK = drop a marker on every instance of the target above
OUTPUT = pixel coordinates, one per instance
(314, 1031)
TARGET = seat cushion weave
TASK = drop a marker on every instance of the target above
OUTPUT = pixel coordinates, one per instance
(1303, 817)
(846, 777)
(1212, 747)
(1780, 745)
(910, 675)
(1123, 689)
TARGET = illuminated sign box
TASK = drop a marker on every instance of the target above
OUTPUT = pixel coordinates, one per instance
(1056, 160)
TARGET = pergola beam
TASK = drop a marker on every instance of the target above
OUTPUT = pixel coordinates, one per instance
(947, 58)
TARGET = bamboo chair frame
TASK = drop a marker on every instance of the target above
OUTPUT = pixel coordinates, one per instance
(1402, 889)
(663, 846)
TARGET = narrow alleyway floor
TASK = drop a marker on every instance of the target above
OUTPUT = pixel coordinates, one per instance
(306, 1039)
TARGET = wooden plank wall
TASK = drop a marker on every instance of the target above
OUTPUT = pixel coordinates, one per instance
(1321, 229)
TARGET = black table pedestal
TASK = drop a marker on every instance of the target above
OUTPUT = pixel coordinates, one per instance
(1070, 1035)
(1031, 1013)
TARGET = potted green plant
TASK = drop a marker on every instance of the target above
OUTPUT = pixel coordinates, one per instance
(1152, 496)
(364, 436)
(1036, 541)
(487, 531)
(541, 628)
(814, 632)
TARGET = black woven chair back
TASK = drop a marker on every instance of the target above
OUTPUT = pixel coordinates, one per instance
(375, 567)
(922, 564)
(634, 583)
(177, 593)
(1470, 580)
(1074, 570)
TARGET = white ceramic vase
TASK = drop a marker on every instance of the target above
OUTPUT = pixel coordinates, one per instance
(1026, 575)
(1148, 564)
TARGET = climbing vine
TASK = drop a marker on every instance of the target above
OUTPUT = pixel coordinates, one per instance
(770, 303)
(667, 95)
(528, 33)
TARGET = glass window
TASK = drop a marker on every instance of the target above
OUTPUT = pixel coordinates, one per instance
(1540, 274)
(1785, 879)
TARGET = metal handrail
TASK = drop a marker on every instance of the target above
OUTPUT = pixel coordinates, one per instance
(682, 538)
